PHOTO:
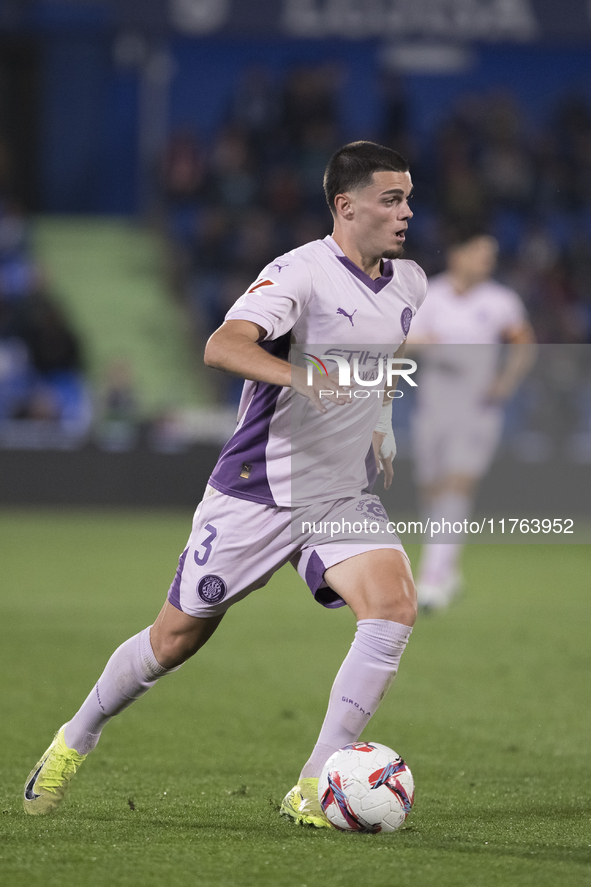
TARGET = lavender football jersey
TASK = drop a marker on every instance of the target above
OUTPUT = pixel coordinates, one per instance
(480, 316)
(465, 332)
(315, 296)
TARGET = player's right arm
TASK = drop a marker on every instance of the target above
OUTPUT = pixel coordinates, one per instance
(234, 348)
(520, 358)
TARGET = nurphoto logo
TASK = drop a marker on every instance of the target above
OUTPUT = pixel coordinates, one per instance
(364, 370)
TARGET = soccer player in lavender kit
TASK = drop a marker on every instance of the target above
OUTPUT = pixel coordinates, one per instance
(351, 288)
(463, 385)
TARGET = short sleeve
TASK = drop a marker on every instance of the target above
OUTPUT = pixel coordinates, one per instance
(512, 311)
(277, 297)
(421, 325)
(421, 287)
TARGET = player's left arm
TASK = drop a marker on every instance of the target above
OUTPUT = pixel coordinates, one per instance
(384, 442)
(521, 355)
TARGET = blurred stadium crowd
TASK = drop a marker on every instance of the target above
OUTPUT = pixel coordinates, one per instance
(233, 205)
(41, 362)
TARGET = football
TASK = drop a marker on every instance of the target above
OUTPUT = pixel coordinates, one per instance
(366, 787)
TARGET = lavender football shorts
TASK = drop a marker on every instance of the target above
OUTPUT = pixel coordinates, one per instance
(236, 545)
(463, 441)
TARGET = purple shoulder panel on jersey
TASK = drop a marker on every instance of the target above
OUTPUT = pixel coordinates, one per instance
(374, 285)
(241, 469)
(174, 592)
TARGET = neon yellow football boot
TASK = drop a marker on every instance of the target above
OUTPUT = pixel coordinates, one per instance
(302, 805)
(48, 781)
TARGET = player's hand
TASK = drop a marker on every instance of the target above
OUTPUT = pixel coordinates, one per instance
(383, 460)
(500, 391)
(320, 388)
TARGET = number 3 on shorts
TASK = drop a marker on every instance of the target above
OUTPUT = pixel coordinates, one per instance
(202, 559)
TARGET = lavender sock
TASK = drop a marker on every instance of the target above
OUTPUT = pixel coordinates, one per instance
(363, 680)
(129, 673)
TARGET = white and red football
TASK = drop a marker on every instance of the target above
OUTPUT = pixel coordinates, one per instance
(366, 787)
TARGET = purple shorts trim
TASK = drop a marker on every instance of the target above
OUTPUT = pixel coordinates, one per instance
(174, 597)
(314, 563)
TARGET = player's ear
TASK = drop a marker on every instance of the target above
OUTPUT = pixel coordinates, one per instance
(343, 206)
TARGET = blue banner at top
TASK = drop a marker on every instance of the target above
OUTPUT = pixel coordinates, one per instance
(521, 21)
(513, 21)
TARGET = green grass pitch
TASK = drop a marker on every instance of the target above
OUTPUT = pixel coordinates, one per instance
(490, 709)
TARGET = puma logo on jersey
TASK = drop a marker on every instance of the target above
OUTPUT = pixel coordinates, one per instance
(344, 313)
(279, 265)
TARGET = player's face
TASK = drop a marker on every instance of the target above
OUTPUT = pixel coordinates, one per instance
(380, 215)
(476, 259)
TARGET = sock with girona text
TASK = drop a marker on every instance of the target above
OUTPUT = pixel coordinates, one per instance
(363, 679)
(129, 673)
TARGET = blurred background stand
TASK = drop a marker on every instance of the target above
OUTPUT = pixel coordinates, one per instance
(155, 155)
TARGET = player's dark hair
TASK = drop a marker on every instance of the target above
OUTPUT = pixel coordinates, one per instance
(353, 166)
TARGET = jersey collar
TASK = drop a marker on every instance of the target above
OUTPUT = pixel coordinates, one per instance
(374, 285)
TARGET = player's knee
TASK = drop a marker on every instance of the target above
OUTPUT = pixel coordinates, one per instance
(396, 598)
(395, 604)
(401, 607)
(175, 637)
(171, 650)
(407, 612)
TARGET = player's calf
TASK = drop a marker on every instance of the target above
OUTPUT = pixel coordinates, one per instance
(176, 636)
(130, 672)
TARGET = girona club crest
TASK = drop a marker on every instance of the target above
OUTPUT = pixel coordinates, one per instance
(212, 589)
(405, 319)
